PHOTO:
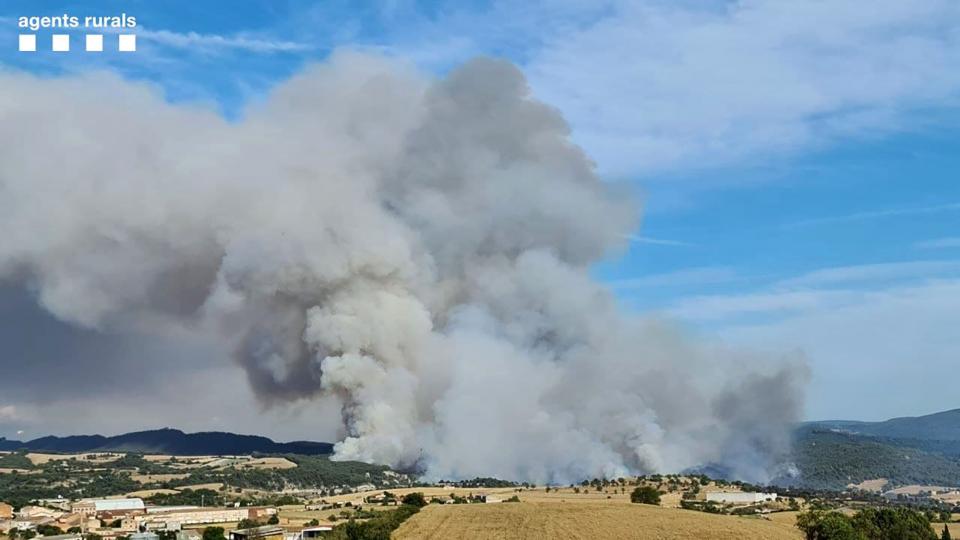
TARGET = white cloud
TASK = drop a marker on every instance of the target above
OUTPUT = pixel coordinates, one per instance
(871, 330)
(213, 42)
(657, 85)
(886, 353)
(939, 243)
(8, 413)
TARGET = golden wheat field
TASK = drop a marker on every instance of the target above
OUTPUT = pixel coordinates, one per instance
(536, 520)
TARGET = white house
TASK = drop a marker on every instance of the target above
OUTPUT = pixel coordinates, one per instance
(740, 497)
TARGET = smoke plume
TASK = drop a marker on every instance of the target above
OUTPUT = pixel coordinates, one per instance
(419, 248)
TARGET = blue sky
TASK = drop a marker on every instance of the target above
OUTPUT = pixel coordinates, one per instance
(798, 161)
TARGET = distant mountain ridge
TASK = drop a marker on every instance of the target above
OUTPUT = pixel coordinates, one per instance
(169, 441)
(941, 426)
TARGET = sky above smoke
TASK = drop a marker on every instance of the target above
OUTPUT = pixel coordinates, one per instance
(394, 260)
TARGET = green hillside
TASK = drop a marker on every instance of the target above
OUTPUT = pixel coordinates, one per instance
(833, 459)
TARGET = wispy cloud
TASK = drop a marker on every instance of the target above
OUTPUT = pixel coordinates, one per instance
(657, 241)
(8, 413)
(707, 275)
(212, 42)
(826, 288)
(727, 307)
(873, 273)
(939, 243)
(877, 214)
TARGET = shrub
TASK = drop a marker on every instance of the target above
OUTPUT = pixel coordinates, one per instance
(376, 528)
(414, 499)
(213, 533)
(870, 523)
(645, 495)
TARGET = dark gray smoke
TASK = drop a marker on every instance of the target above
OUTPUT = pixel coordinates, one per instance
(419, 248)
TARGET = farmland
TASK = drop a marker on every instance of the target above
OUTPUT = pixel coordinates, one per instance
(584, 520)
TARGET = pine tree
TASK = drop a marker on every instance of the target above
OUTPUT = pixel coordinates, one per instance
(946, 533)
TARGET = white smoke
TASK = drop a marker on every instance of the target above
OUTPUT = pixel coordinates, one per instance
(419, 248)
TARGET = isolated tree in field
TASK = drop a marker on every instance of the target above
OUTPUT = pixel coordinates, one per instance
(274, 520)
(945, 535)
(645, 495)
(414, 499)
(213, 533)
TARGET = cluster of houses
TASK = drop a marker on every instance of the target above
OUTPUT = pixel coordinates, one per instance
(923, 495)
(131, 518)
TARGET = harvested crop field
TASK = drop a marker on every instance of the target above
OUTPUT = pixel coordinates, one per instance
(151, 478)
(93, 457)
(586, 521)
(270, 463)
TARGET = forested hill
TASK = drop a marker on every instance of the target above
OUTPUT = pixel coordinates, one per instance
(169, 441)
(830, 459)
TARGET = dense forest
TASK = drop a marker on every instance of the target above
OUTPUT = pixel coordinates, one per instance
(829, 459)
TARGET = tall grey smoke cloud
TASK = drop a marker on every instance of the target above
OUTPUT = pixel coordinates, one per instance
(419, 248)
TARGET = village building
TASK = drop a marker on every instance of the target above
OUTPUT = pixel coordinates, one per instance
(59, 503)
(6, 511)
(31, 512)
(20, 524)
(114, 507)
(144, 536)
(189, 534)
(62, 537)
(176, 519)
(267, 532)
(67, 521)
(310, 533)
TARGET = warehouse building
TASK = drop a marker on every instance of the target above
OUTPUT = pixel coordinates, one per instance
(114, 506)
(175, 519)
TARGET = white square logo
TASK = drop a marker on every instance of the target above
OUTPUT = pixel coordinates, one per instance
(28, 42)
(61, 42)
(95, 42)
(128, 42)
